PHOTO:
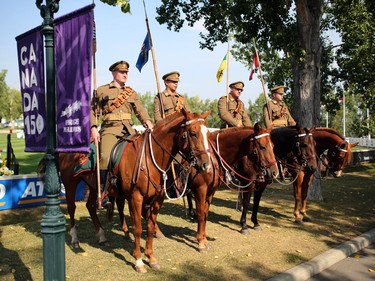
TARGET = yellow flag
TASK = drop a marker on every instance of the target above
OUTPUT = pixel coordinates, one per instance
(220, 72)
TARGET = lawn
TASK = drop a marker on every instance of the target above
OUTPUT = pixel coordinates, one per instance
(28, 161)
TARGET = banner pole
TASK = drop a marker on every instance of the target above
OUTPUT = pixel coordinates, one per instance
(154, 61)
(261, 76)
(96, 119)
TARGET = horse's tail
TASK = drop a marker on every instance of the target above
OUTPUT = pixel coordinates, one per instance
(41, 169)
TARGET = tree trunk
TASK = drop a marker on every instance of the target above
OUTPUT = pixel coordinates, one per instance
(306, 72)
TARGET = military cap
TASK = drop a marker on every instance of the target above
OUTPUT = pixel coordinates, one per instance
(119, 66)
(172, 76)
(278, 90)
(238, 85)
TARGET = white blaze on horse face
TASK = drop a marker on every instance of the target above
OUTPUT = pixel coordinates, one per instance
(204, 131)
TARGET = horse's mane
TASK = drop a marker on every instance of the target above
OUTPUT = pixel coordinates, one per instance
(167, 120)
(330, 130)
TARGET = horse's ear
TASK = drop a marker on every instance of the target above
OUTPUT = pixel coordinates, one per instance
(184, 112)
(354, 144)
(204, 115)
(256, 128)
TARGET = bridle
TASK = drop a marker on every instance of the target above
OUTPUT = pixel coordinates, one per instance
(256, 150)
(335, 154)
(187, 144)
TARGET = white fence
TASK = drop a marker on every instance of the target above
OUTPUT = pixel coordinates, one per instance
(362, 141)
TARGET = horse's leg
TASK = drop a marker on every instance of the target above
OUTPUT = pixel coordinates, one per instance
(297, 192)
(91, 207)
(257, 196)
(192, 213)
(120, 202)
(135, 210)
(202, 205)
(245, 207)
(150, 215)
(70, 191)
(305, 188)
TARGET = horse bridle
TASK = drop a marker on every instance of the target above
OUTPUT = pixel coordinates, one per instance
(335, 154)
(227, 167)
(187, 142)
(257, 150)
(300, 138)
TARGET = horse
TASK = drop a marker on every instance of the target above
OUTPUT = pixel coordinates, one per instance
(247, 146)
(339, 151)
(338, 156)
(142, 171)
(295, 147)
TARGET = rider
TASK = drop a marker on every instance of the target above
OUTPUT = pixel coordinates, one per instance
(280, 116)
(232, 112)
(169, 101)
(115, 102)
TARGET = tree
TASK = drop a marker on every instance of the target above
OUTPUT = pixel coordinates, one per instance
(10, 100)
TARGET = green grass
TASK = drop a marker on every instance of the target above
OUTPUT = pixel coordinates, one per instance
(28, 161)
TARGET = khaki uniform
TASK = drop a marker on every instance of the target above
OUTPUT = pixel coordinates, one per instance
(117, 123)
(280, 115)
(233, 113)
(171, 104)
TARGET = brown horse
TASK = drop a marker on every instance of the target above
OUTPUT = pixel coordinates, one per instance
(295, 148)
(338, 156)
(142, 176)
(245, 146)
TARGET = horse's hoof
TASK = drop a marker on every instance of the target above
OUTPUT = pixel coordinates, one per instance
(306, 219)
(104, 243)
(140, 269)
(155, 266)
(245, 231)
(75, 245)
(299, 221)
(204, 249)
(258, 228)
(159, 235)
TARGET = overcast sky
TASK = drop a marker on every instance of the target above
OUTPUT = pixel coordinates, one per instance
(120, 36)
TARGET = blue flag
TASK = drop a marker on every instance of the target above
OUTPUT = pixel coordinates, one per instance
(143, 55)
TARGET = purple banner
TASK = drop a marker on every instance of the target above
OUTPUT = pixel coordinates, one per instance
(31, 67)
(73, 66)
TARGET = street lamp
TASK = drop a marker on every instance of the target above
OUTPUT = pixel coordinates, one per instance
(53, 221)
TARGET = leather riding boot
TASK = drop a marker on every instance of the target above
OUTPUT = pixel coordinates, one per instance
(103, 188)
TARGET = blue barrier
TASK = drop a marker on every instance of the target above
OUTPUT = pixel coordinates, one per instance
(27, 191)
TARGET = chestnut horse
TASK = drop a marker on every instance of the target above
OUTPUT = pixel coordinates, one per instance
(295, 147)
(250, 147)
(338, 156)
(141, 174)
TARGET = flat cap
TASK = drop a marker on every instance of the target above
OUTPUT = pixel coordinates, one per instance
(237, 85)
(172, 76)
(278, 90)
(119, 66)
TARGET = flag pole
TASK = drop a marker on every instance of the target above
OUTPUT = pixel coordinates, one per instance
(96, 117)
(261, 76)
(154, 61)
(228, 57)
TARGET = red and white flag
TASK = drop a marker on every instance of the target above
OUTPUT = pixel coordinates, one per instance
(255, 65)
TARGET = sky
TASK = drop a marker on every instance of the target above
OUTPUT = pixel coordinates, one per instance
(120, 37)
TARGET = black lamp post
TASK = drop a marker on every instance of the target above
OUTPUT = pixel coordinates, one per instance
(53, 221)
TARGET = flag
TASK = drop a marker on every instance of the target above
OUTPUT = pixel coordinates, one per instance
(220, 72)
(255, 65)
(143, 55)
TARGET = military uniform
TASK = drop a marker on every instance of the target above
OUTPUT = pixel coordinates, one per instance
(171, 103)
(116, 116)
(233, 113)
(280, 115)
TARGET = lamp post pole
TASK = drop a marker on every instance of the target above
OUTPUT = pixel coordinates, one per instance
(53, 221)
